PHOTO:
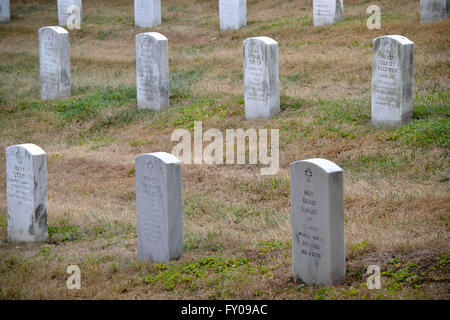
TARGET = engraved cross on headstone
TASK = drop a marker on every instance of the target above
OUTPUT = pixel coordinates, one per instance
(150, 167)
(308, 174)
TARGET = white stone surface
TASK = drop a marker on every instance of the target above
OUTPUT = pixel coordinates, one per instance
(232, 14)
(147, 13)
(54, 59)
(327, 11)
(26, 193)
(392, 81)
(261, 78)
(317, 205)
(152, 71)
(64, 11)
(5, 13)
(159, 207)
(434, 10)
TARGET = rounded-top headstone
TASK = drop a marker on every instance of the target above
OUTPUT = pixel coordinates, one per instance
(26, 191)
(392, 81)
(317, 205)
(152, 71)
(159, 207)
(261, 78)
(54, 61)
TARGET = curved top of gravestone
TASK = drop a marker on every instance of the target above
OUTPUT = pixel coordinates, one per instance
(156, 35)
(165, 157)
(398, 38)
(31, 148)
(57, 29)
(324, 164)
(264, 39)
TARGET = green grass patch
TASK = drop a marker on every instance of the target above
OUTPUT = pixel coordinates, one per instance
(62, 231)
(379, 162)
(187, 274)
(86, 107)
(182, 81)
(423, 133)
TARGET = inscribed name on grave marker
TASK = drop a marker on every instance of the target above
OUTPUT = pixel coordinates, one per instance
(327, 11)
(54, 59)
(26, 192)
(159, 207)
(317, 205)
(152, 71)
(392, 81)
(261, 78)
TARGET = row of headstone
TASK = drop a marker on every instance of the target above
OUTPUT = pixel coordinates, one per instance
(317, 206)
(233, 13)
(392, 74)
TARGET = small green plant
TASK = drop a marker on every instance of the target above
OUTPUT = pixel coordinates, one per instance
(139, 143)
(358, 248)
(63, 231)
(264, 247)
(322, 293)
(402, 274)
(43, 251)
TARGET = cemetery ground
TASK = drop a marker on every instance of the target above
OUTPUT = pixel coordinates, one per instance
(237, 229)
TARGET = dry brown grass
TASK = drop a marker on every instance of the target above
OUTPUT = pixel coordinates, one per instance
(401, 209)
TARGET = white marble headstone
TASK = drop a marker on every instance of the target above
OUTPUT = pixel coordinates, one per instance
(5, 14)
(392, 81)
(67, 11)
(159, 207)
(317, 205)
(434, 10)
(233, 14)
(26, 192)
(261, 78)
(152, 71)
(327, 11)
(54, 59)
(147, 13)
